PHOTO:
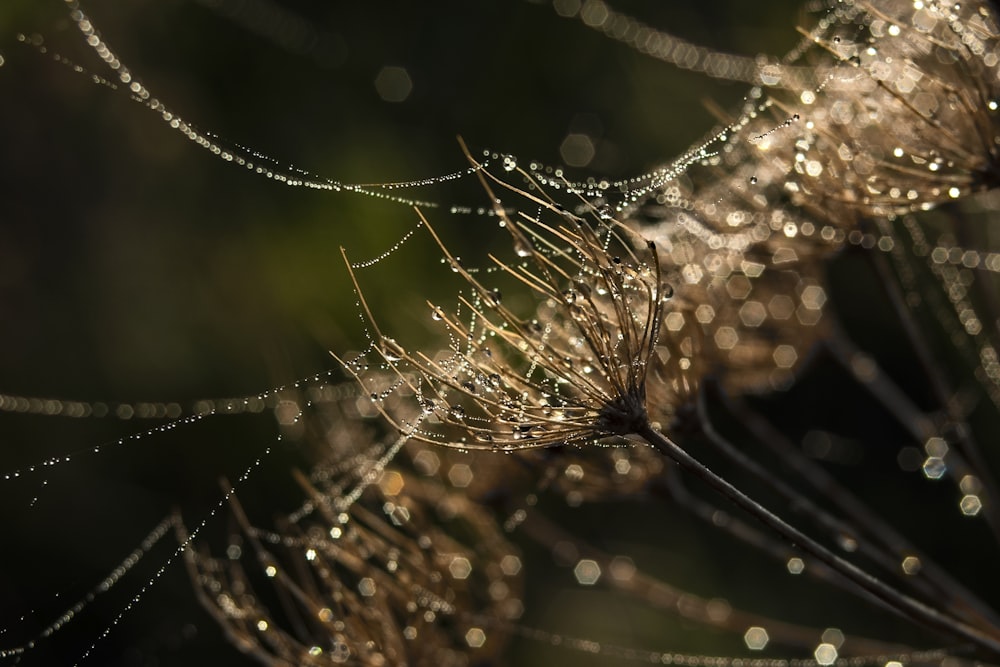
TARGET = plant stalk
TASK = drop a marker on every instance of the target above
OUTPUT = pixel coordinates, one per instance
(905, 605)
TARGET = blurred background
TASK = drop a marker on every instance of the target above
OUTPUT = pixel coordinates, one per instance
(135, 266)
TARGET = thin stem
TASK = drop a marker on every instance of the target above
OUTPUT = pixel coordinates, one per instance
(866, 372)
(749, 534)
(964, 440)
(904, 604)
(877, 529)
(874, 538)
(686, 604)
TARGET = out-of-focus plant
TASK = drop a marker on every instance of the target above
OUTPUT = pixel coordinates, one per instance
(621, 353)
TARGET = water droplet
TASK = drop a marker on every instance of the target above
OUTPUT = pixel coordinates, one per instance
(494, 296)
(753, 180)
(522, 432)
(522, 247)
(391, 350)
(456, 412)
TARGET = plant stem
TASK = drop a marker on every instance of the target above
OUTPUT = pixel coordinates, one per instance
(884, 536)
(904, 604)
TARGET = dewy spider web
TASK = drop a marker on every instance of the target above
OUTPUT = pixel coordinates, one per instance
(563, 474)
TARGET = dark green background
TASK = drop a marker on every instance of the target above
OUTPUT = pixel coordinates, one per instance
(135, 266)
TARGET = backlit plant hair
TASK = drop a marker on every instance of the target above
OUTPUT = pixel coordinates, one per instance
(573, 373)
(615, 326)
(413, 573)
(509, 383)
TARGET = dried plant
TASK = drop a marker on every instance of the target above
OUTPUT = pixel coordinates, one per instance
(481, 393)
(604, 355)
(514, 412)
(412, 574)
(575, 372)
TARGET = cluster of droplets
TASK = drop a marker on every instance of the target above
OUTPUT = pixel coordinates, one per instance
(403, 575)
(747, 229)
(248, 158)
(186, 537)
(731, 287)
(507, 382)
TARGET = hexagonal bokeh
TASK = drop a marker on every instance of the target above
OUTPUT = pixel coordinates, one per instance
(587, 572)
(475, 637)
(825, 654)
(460, 567)
(756, 638)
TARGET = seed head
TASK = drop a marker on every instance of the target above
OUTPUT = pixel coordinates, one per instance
(405, 576)
(571, 370)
